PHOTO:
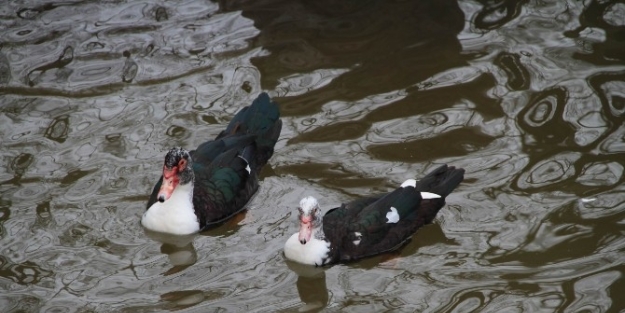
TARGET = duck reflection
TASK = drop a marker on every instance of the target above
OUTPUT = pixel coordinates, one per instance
(386, 46)
(311, 280)
(311, 286)
(179, 250)
(178, 300)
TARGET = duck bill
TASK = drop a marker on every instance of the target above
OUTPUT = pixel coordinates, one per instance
(305, 230)
(170, 182)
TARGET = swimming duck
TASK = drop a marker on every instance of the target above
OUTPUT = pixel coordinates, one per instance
(205, 187)
(370, 225)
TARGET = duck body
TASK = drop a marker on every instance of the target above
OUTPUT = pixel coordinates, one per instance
(370, 225)
(207, 186)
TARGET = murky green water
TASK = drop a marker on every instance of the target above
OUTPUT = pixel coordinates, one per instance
(527, 96)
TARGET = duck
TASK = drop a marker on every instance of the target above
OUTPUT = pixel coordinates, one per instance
(370, 225)
(205, 187)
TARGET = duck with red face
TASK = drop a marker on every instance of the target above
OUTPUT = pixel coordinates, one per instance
(205, 187)
(371, 225)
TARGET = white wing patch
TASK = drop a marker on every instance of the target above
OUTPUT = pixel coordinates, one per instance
(429, 195)
(409, 182)
(392, 216)
(357, 241)
(247, 167)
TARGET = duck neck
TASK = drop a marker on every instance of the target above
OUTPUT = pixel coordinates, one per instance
(317, 231)
(187, 189)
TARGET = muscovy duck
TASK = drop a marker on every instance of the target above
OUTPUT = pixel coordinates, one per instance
(205, 187)
(371, 225)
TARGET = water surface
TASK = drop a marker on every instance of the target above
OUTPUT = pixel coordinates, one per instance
(527, 96)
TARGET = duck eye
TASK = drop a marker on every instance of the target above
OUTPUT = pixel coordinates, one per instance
(182, 163)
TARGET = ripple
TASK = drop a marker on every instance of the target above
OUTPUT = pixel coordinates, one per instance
(588, 296)
(21, 163)
(5, 70)
(130, 70)
(614, 143)
(543, 116)
(496, 14)
(603, 206)
(5, 212)
(21, 303)
(550, 171)
(298, 84)
(459, 142)
(96, 71)
(333, 132)
(593, 120)
(540, 113)
(387, 90)
(600, 174)
(30, 192)
(427, 125)
(26, 273)
(614, 14)
(141, 133)
(114, 144)
(518, 75)
(84, 151)
(36, 76)
(84, 187)
(58, 129)
(176, 131)
(160, 14)
(77, 235)
(609, 87)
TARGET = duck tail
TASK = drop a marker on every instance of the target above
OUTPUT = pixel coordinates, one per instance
(262, 119)
(442, 181)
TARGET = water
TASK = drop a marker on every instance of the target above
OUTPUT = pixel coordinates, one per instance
(527, 96)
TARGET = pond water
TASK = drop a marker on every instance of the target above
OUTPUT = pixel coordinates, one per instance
(527, 96)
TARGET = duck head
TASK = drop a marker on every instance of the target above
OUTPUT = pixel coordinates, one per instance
(310, 218)
(177, 170)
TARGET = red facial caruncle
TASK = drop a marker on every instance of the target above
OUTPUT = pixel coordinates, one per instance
(305, 228)
(170, 180)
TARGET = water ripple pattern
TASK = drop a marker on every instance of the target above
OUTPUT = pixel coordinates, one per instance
(527, 96)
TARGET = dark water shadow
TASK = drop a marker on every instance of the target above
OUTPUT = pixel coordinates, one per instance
(334, 176)
(179, 248)
(368, 38)
(495, 14)
(311, 286)
(458, 142)
(610, 50)
(178, 300)
(572, 231)
(417, 102)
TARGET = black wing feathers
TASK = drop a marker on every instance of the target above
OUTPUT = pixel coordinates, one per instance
(223, 188)
(208, 151)
(262, 119)
(369, 226)
(154, 193)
